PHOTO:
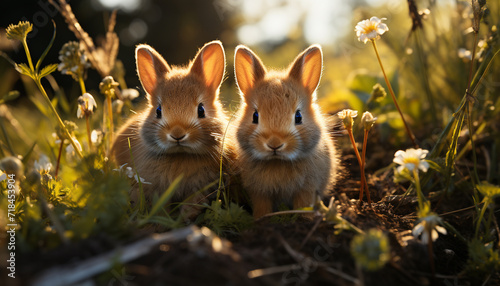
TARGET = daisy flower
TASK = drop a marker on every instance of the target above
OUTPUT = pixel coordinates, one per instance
(411, 159)
(370, 30)
(429, 228)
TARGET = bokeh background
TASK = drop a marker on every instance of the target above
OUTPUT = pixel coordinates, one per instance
(277, 30)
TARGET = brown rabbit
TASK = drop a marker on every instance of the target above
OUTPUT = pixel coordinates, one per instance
(181, 129)
(285, 150)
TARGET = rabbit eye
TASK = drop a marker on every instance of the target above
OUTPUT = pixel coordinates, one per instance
(298, 117)
(201, 111)
(255, 117)
(158, 112)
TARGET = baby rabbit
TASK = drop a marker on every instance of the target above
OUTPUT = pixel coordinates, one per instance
(285, 150)
(181, 129)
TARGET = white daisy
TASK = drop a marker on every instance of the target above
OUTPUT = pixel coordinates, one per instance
(429, 228)
(370, 30)
(411, 159)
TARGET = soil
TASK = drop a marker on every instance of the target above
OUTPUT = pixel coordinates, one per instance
(301, 252)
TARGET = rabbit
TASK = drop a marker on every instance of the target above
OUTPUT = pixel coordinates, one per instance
(181, 129)
(285, 152)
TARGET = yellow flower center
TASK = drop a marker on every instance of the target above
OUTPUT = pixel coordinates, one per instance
(370, 28)
(412, 160)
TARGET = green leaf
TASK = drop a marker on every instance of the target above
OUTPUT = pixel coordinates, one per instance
(435, 166)
(10, 96)
(46, 49)
(47, 70)
(24, 69)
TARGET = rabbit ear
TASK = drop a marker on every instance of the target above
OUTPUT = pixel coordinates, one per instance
(210, 64)
(248, 69)
(150, 66)
(307, 68)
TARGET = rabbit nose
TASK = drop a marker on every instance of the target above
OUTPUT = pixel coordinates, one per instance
(178, 138)
(275, 148)
(274, 143)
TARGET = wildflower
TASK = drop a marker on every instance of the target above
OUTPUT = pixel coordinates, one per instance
(371, 250)
(347, 116)
(368, 120)
(96, 137)
(141, 179)
(370, 30)
(43, 164)
(411, 159)
(120, 169)
(70, 151)
(73, 60)
(129, 172)
(429, 228)
(19, 31)
(107, 86)
(130, 94)
(86, 104)
(378, 92)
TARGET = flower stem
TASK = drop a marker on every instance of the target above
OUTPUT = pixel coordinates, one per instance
(431, 256)
(28, 55)
(363, 160)
(408, 131)
(38, 83)
(88, 131)
(362, 183)
(481, 215)
(110, 121)
(82, 84)
(420, 195)
(59, 120)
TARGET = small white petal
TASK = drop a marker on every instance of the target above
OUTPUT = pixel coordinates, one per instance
(129, 172)
(441, 229)
(424, 166)
(418, 229)
(435, 235)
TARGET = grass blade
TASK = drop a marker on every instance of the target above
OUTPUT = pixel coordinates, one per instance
(165, 197)
(40, 60)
